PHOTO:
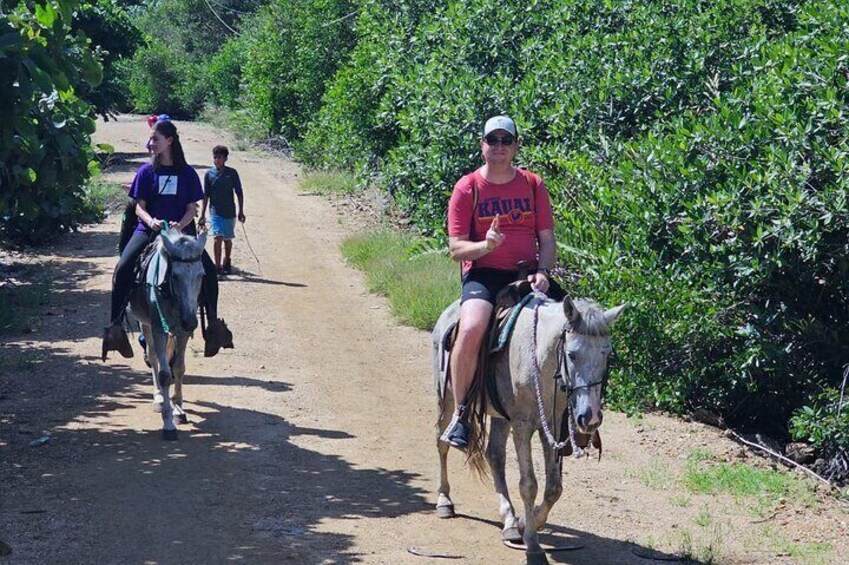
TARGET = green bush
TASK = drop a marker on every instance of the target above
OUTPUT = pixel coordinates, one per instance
(45, 128)
(225, 73)
(284, 72)
(696, 154)
(110, 28)
(164, 81)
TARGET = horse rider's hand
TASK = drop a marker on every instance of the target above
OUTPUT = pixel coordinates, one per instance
(494, 237)
(202, 223)
(539, 281)
(156, 224)
(241, 217)
(175, 225)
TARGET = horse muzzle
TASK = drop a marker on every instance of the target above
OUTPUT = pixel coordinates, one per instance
(589, 421)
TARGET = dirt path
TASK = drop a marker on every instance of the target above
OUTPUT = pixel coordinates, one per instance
(312, 441)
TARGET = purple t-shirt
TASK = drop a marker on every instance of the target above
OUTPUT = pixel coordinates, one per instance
(166, 191)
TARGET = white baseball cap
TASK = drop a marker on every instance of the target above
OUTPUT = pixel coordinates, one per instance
(499, 122)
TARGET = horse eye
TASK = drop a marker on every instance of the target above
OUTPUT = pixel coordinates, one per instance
(572, 356)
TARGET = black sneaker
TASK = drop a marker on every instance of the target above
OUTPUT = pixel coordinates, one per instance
(228, 267)
(458, 436)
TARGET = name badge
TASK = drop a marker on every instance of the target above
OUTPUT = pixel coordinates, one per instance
(167, 185)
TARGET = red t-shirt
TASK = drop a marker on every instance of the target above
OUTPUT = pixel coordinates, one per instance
(521, 216)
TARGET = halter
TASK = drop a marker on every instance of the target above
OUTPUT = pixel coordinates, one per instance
(563, 380)
(156, 291)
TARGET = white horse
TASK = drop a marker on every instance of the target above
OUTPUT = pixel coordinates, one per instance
(569, 339)
(166, 306)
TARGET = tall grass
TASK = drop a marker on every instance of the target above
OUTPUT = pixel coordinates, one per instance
(329, 182)
(101, 196)
(762, 487)
(418, 285)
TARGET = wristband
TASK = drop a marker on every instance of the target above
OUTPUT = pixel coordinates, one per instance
(544, 272)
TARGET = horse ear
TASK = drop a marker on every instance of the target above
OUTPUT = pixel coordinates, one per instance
(170, 248)
(571, 311)
(612, 314)
(201, 241)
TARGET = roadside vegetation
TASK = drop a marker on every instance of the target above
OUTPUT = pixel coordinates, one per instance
(763, 493)
(696, 154)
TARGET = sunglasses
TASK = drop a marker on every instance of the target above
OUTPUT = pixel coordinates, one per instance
(495, 140)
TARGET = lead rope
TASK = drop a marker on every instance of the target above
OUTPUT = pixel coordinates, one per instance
(248, 241)
(546, 429)
(157, 298)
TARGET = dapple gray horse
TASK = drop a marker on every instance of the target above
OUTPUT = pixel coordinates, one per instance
(571, 338)
(166, 306)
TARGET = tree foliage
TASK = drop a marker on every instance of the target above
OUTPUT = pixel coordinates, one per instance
(45, 153)
(696, 153)
(109, 27)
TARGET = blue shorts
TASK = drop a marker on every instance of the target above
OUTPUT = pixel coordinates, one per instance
(225, 228)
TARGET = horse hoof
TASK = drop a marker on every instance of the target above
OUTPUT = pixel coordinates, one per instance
(511, 534)
(157, 406)
(446, 511)
(182, 419)
(169, 435)
(536, 558)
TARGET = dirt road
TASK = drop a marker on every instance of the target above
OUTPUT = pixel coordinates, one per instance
(312, 441)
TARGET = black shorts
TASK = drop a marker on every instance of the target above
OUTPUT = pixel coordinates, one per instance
(485, 284)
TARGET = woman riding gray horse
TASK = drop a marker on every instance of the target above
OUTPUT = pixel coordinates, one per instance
(167, 191)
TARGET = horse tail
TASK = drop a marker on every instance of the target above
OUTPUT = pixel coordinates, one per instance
(476, 451)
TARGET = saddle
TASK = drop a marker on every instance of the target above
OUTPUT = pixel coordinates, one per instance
(140, 274)
(508, 304)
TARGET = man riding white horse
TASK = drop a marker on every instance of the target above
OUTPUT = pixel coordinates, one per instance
(499, 217)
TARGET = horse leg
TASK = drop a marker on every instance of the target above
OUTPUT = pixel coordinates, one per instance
(444, 505)
(163, 377)
(496, 455)
(158, 397)
(178, 369)
(553, 485)
(522, 432)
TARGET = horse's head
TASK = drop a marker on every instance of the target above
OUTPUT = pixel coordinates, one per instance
(184, 255)
(586, 349)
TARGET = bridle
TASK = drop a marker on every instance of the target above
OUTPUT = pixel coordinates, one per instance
(563, 379)
(165, 289)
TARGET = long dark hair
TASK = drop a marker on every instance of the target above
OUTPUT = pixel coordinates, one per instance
(166, 128)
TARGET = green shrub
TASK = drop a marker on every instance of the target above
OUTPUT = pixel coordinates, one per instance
(284, 72)
(45, 128)
(164, 81)
(225, 72)
(696, 154)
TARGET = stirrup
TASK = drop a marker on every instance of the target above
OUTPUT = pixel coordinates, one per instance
(456, 434)
(115, 339)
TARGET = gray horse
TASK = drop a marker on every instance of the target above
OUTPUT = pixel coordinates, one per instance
(166, 307)
(570, 339)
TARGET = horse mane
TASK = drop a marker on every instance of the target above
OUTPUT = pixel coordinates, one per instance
(593, 321)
